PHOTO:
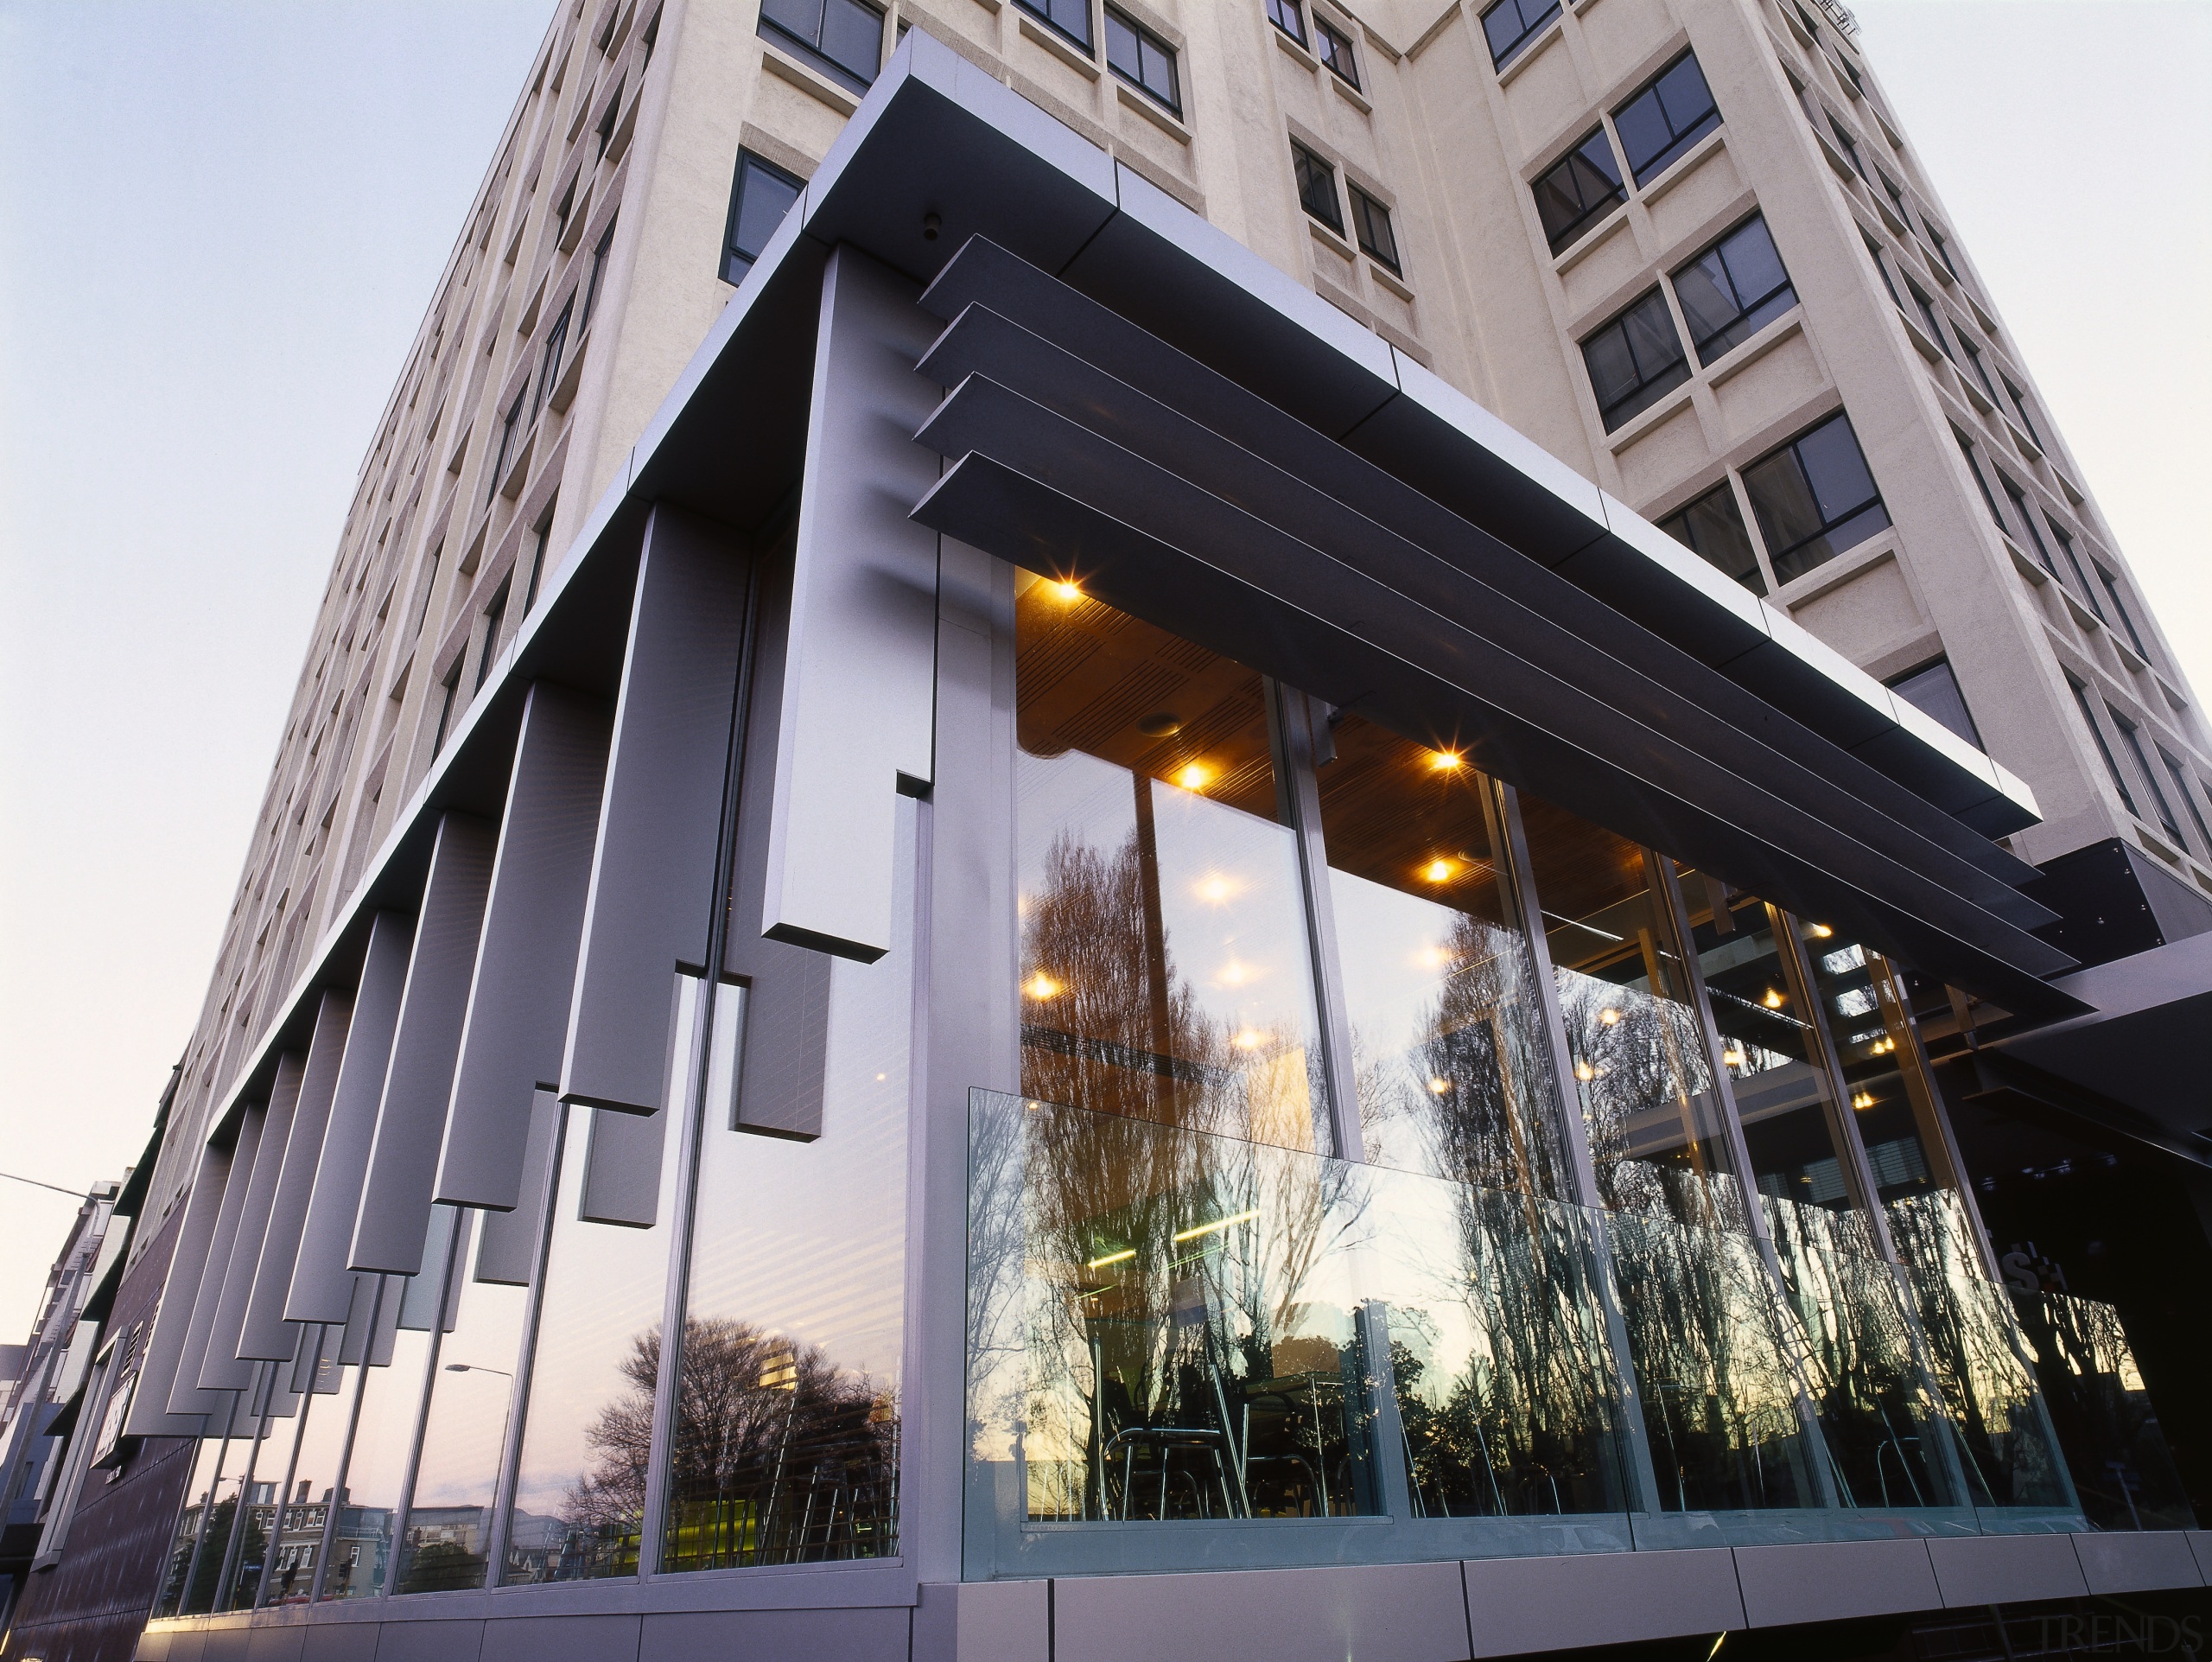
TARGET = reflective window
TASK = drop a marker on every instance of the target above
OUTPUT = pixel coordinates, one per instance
(189, 1583)
(386, 1407)
(2111, 585)
(1665, 118)
(1138, 56)
(1579, 189)
(1317, 187)
(2132, 736)
(2088, 589)
(843, 38)
(307, 1487)
(786, 1425)
(1333, 46)
(1874, 253)
(2026, 516)
(2112, 765)
(1289, 16)
(1712, 526)
(1165, 967)
(1815, 498)
(1929, 322)
(1974, 362)
(2188, 797)
(2020, 404)
(1455, 1072)
(1848, 145)
(1981, 481)
(762, 193)
(1070, 17)
(1511, 24)
(1933, 689)
(1733, 289)
(1370, 220)
(1634, 360)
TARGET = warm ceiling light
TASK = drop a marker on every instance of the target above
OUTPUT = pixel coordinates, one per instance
(1439, 1085)
(1437, 871)
(1773, 999)
(1250, 1039)
(1446, 761)
(1193, 776)
(1609, 1016)
(1822, 931)
(1067, 591)
(1041, 985)
(1863, 1100)
(1733, 1058)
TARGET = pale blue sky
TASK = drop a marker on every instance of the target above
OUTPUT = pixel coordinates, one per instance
(220, 224)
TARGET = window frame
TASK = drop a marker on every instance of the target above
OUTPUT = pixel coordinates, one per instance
(2024, 509)
(1295, 10)
(1305, 160)
(1573, 232)
(1680, 140)
(1941, 661)
(1365, 205)
(2130, 735)
(2081, 691)
(747, 163)
(1335, 50)
(1758, 579)
(1846, 517)
(1146, 40)
(2109, 581)
(1042, 11)
(1981, 479)
(1718, 250)
(1499, 58)
(2181, 777)
(1649, 388)
(815, 55)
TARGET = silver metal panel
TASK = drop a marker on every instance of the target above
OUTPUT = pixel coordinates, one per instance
(2006, 1569)
(276, 1644)
(2128, 1562)
(339, 1641)
(1834, 1581)
(149, 1415)
(322, 1286)
(186, 1396)
(526, 969)
(561, 1639)
(622, 1169)
(984, 1621)
(267, 1335)
(429, 1641)
(1405, 1612)
(1599, 1598)
(225, 1368)
(360, 1319)
(509, 1253)
(395, 1208)
(653, 865)
(785, 1040)
(855, 723)
(868, 1634)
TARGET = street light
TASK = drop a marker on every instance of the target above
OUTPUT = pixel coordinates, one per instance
(476, 1367)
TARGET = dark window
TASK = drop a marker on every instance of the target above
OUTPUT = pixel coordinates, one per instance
(1814, 498)
(1733, 289)
(1933, 690)
(2120, 610)
(1848, 145)
(1713, 526)
(1142, 59)
(1981, 481)
(1665, 118)
(760, 197)
(1874, 253)
(494, 616)
(1927, 309)
(2088, 590)
(598, 270)
(1333, 46)
(1897, 196)
(1634, 360)
(1510, 24)
(651, 39)
(1973, 357)
(1289, 16)
(842, 38)
(606, 128)
(445, 708)
(1812, 28)
(2112, 765)
(1317, 188)
(537, 558)
(561, 213)
(1068, 17)
(2020, 403)
(509, 425)
(1577, 189)
(2188, 797)
(2132, 736)
(2026, 515)
(1851, 70)
(1942, 248)
(1370, 222)
(549, 372)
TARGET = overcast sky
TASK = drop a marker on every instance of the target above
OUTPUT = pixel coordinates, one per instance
(220, 224)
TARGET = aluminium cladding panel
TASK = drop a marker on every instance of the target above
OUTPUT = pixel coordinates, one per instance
(225, 1366)
(508, 1252)
(652, 876)
(1563, 1601)
(395, 1210)
(1404, 1612)
(526, 969)
(322, 1285)
(187, 1396)
(1979, 1570)
(855, 726)
(150, 1414)
(267, 1336)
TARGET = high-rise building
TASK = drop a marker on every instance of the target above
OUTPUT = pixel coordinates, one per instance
(1232, 786)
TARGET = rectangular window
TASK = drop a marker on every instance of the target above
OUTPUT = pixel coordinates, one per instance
(509, 425)
(1634, 360)
(2111, 764)
(2132, 736)
(2088, 589)
(1333, 46)
(599, 252)
(1881, 266)
(606, 128)
(760, 196)
(2020, 404)
(1511, 24)
(452, 687)
(1942, 248)
(1068, 17)
(1928, 320)
(1896, 193)
(1933, 689)
(537, 558)
(2026, 516)
(2111, 586)
(2188, 797)
(1317, 188)
(1665, 118)
(494, 616)
(1138, 56)
(1370, 220)
(1981, 482)
(1849, 146)
(1814, 498)
(549, 370)
(1289, 16)
(1733, 289)
(1578, 190)
(1973, 358)
(842, 38)
(1712, 526)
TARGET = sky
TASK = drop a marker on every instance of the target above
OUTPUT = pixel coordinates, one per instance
(220, 223)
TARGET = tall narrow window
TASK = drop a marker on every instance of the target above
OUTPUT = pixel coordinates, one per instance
(2132, 736)
(2111, 586)
(1928, 319)
(1665, 118)
(1733, 289)
(429, 586)
(549, 372)
(2020, 404)
(1634, 360)
(605, 131)
(1942, 248)
(1981, 482)
(1712, 526)
(1579, 189)
(1933, 690)
(2112, 763)
(1289, 16)
(760, 196)
(1333, 46)
(537, 558)
(2180, 777)
(509, 425)
(2082, 584)
(494, 616)
(1140, 57)
(2026, 515)
(1814, 498)
(599, 253)
(1510, 25)
(1317, 188)
(1370, 220)
(843, 38)
(1896, 193)
(1068, 17)
(1881, 266)
(451, 687)
(1974, 358)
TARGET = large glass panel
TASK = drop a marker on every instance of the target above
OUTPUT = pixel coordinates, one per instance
(243, 1553)
(786, 1424)
(579, 1503)
(1649, 1105)
(2102, 1415)
(464, 1431)
(185, 1588)
(1169, 1330)
(308, 1480)
(1454, 1072)
(1165, 967)
(391, 1401)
